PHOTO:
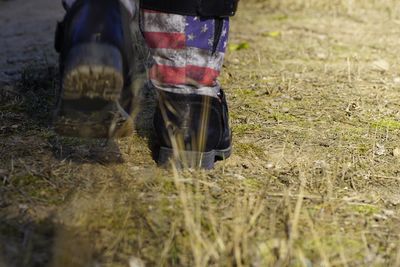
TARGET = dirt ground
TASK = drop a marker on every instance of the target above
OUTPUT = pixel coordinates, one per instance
(314, 93)
(26, 35)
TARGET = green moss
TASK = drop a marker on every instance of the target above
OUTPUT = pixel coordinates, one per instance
(284, 117)
(38, 188)
(387, 123)
(241, 129)
(279, 17)
(168, 187)
(249, 149)
(363, 148)
(339, 48)
(332, 245)
(253, 183)
(365, 209)
(354, 135)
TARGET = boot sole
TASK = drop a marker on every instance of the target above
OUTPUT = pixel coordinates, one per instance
(93, 81)
(94, 71)
(192, 159)
(91, 88)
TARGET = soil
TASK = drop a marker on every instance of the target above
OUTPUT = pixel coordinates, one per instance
(26, 34)
(314, 93)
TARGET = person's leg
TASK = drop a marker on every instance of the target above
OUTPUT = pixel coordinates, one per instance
(191, 120)
(188, 52)
(95, 43)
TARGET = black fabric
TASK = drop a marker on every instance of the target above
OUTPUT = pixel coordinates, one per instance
(190, 119)
(218, 26)
(203, 8)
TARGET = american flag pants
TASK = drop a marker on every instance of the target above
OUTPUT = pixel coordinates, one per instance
(187, 51)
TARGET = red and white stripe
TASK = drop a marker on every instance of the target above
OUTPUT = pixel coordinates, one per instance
(176, 65)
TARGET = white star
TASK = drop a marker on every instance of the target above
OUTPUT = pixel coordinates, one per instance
(204, 28)
(191, 37)
(225, 44)
(210, 42)
(195, 18)
(224, 32)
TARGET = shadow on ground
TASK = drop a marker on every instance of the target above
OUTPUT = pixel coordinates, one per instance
(30, 154)
(43, 243)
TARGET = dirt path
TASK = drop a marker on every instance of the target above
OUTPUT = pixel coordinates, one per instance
(314, 179)
(26, 34)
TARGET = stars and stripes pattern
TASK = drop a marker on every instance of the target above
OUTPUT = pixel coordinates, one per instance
(186, 55)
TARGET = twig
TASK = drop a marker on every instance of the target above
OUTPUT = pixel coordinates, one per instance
(317, 198)
(387, 177)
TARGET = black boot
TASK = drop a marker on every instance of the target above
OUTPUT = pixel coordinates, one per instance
(95, 46)
(193, 130)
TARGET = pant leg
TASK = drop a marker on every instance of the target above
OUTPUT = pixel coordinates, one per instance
(187, 51)
(182, 48)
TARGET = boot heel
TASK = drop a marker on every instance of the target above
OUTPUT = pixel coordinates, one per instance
(92, 118)
(186, 159)
(93, 71)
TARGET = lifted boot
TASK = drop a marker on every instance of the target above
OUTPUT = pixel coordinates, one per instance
(95, 46)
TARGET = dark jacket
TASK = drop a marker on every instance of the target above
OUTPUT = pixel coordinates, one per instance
(203, 8)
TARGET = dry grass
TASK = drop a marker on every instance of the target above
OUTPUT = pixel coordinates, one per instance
(314, 179)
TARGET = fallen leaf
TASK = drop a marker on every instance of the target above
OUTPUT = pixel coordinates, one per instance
(237, 47)
(381, 65)
(272, 34)
(380, 150)
(396, 152)
(136, 262)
